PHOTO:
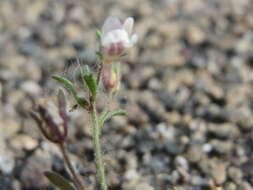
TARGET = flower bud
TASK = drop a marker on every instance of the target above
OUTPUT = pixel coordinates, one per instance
(111, 77)
(117, 38)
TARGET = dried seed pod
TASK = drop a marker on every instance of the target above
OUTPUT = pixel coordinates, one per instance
(53, 131)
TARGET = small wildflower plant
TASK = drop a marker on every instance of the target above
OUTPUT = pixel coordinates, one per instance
(115, 39)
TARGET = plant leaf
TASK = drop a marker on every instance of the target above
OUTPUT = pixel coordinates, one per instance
(90, 82)
(67, 83)
(108, 115)
(58, 180)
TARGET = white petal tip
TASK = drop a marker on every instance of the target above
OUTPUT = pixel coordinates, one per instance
(130, 20)
(134, 39)
(111, 23)
(128, 25)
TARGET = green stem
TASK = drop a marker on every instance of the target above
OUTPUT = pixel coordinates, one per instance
(97, 145)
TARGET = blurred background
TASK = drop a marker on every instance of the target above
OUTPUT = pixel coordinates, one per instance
(187, 87)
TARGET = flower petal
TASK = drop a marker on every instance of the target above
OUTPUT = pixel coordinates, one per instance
(115, 36)
(134, 39)
(111, 23)
(128, 25)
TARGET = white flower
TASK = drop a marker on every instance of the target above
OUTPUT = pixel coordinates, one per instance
(117, 38)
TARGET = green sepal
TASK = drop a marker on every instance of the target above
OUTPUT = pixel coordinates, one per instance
(99, 35)
(59, 181)
(106, 115)
(90, 82)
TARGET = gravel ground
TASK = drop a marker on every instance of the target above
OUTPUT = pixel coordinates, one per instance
(187, 87)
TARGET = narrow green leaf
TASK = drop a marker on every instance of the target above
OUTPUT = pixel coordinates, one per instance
(108, 115)
(90, 82)
(86, 70)
(67, 83)
(69, 86)
(59, 181)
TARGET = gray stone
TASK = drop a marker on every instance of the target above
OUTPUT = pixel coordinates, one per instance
(235, 174)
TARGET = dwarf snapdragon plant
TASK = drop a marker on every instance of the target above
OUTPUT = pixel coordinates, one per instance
(115, 39)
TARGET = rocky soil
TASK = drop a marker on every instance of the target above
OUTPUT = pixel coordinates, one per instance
(187, 87)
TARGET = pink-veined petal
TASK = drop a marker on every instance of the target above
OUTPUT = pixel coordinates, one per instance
(115, 36)
(111, 23)
(128, 25)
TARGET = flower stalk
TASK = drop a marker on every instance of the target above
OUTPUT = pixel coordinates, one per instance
(75, 177)
(97, 147)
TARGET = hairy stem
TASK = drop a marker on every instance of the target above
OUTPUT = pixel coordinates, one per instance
(100, 72)
(97, 146)
(75, 177)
